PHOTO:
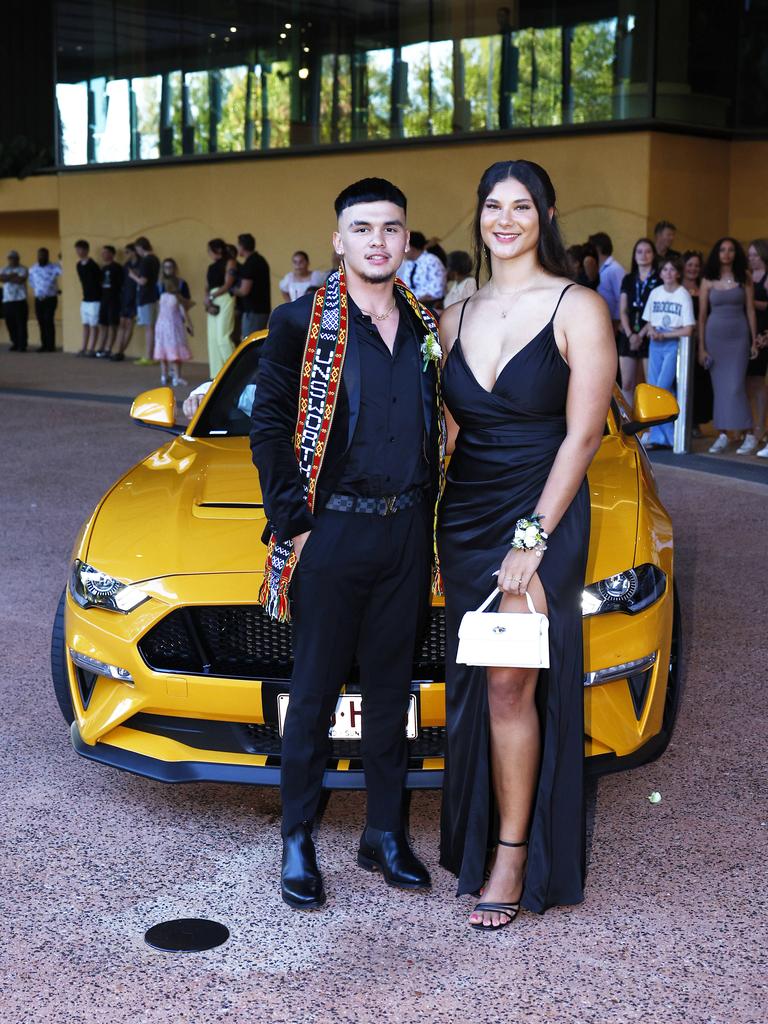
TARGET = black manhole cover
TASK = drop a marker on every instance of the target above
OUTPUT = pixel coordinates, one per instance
(186, 935)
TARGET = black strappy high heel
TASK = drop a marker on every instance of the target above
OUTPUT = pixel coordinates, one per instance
(510, 910)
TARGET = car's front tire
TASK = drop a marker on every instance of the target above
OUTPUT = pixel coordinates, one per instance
(59, 673)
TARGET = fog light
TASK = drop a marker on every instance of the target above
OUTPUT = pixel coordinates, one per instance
(101, 668)
(620, 671)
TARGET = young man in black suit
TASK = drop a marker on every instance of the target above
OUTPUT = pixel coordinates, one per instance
(351, 509)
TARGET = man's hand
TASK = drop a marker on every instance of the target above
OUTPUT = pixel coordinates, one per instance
(298, 543)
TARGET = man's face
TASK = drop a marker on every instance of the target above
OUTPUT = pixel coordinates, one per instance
(140, 250)
(372, 238)
(13, 260)
(106, 255)
(82, 252)
(300, 264)
(42, 257)
(665, 238)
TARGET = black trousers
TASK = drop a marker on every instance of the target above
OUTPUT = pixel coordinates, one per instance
(16, 315)
(361, 588)
(45, 310)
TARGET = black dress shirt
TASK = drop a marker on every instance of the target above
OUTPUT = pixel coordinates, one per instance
(387, 454)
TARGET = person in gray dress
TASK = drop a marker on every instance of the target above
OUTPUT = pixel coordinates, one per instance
(727, 333)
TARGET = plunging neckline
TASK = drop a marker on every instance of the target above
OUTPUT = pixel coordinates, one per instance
(511, 359)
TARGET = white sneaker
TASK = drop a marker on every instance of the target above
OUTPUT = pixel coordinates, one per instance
(748, 445)
(163, 380)
(763, 453)
(178, 381)
(720, 445)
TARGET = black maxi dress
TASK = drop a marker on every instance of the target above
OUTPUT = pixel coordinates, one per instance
(507, 442)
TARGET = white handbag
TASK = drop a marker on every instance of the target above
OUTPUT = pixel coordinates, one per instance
(504, 639)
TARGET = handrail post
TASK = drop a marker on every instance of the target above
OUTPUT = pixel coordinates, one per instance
(682, 437)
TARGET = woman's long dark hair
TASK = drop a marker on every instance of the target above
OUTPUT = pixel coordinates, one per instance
(218, 247)
(711, 269)
(550, 249)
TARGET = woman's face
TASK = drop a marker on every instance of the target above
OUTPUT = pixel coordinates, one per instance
(643, 254)
(727, 252)
(755, 262)
(669, 274)
(300, 263)
(693, 268)
(509, 220)
(169, 268)
(213, 255)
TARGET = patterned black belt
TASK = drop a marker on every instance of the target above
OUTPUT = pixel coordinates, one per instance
(376, 506)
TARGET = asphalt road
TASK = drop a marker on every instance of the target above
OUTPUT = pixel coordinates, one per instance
(673, 928)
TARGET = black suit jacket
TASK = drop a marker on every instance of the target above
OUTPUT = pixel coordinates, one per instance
(275, 411)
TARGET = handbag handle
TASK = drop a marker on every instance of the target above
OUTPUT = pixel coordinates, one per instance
(495, 591)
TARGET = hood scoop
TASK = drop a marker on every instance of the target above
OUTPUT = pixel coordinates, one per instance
(228, 510)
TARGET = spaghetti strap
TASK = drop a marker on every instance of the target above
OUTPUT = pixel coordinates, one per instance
(461, 315)
(562, 293)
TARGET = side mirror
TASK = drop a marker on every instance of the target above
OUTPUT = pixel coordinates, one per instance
(157, 409)
(652, 406)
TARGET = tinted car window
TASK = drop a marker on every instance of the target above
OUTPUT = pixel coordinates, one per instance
(228, 410)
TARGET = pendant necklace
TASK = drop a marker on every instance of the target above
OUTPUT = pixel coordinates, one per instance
(503, 312)
(379, 316)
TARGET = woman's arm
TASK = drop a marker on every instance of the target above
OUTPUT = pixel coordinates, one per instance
(229, 276)
(624, 315)
(591, 352)
(449, 325)
(749, 297)
(703, 314)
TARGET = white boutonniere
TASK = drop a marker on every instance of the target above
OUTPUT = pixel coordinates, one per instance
(431, 351)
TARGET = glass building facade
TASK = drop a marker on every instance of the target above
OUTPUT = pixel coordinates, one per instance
(146, 80)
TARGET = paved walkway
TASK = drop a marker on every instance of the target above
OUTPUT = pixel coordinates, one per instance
(673, 928)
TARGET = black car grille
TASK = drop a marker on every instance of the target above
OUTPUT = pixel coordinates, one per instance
(429, 743)
(242, 642)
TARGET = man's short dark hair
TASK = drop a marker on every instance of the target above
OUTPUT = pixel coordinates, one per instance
(247, 241)
(418, 240)
(662, 225)
(370, 190)
(82, 244)
(143, 242)
(43, 249)
(460, 262)
(602, 242)
(110, 248)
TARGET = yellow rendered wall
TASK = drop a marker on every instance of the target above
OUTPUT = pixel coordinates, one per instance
(749, 190)
(288, 203)
(619, 183)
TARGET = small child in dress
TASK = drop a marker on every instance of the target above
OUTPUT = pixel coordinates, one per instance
(170, 333)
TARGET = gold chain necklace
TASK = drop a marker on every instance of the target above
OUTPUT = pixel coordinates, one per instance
(379, 316)
(503, 312)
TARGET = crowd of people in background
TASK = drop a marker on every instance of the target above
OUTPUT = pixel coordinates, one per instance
(721, 301)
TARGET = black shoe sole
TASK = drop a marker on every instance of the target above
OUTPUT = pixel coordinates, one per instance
(368, 864)
(302, 905)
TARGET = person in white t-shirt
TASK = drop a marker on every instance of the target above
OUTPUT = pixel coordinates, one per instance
(300, 279)
(669, 311)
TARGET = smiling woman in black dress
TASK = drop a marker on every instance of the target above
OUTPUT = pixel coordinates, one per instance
(530, 361)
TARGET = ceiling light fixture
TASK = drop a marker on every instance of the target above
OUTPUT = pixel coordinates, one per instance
(303, 72)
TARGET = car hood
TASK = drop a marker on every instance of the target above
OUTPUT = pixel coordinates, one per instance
(195, 506)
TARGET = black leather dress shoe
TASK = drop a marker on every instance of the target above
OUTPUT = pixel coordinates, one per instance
(390, 853)
(301, 884)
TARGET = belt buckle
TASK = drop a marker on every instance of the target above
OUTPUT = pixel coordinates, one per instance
(389, 504)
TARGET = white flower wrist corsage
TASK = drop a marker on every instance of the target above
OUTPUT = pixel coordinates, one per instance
(430, 351)
(529, 535)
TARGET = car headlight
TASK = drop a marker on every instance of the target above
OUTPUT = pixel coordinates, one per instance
(94, 589)
(631, 591)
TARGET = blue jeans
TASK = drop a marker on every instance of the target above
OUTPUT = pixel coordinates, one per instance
(662, 372)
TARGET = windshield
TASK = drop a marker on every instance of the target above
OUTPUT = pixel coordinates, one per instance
(227, 412)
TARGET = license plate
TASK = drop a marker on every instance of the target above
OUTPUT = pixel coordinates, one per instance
(347, 720)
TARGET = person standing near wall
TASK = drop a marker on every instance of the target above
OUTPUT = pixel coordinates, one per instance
(461, 280)
(127, 304)
(44, 279)
(727, 335)
(253, 290)
(15, 306)
(664, 235)
(757, 367)
(611, 274)
(219, 304)
(300, 279)
(145, 276)
(693, 261)
(109, 310)
(636, 286)
(423, 272)
(90, 281)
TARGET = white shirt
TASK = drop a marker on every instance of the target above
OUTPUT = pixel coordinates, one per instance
(14, 292)
(459, 290)
(296, 288)
(425, 276)
(43, 280)
(669, 311)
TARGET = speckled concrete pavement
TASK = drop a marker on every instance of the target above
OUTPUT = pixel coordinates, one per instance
(673, 928)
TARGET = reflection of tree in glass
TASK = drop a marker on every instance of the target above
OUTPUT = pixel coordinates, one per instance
(482, 67)
(592, 56)
(538, 97)
(336, 98)
(147, 93)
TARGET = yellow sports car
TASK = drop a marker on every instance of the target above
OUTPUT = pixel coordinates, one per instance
(165, 665)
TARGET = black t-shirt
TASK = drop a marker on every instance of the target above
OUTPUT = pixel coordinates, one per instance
(149, 267)
(216, 274)
(259, 300)
(89, 273)
(637, 293)
(111, 283)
